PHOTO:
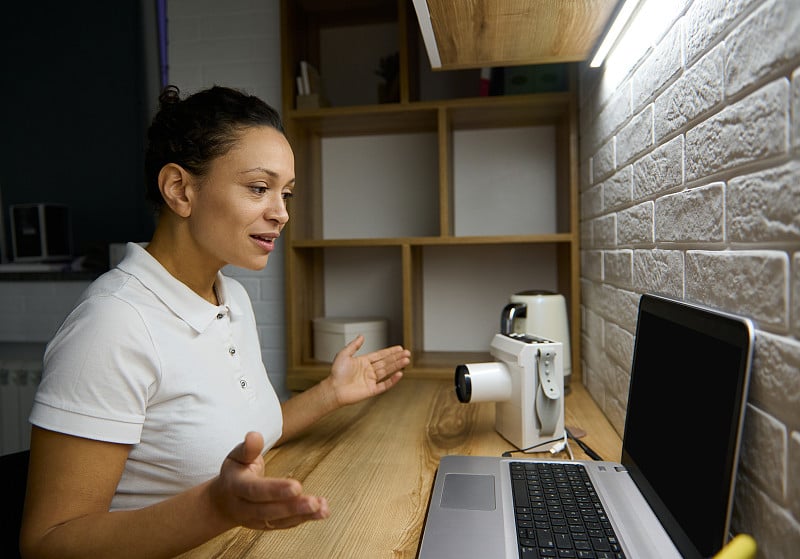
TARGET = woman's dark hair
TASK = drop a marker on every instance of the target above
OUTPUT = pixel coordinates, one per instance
(194, 131)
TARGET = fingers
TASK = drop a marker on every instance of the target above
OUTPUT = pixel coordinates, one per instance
(388, 353)
(392, 358)
(249, 450)
(350, 349)
(388, 381)
(253, 446)
(354, 345)
(245, 497)
(305, 509)
(387, 364)
(281, 504)
(387, 361)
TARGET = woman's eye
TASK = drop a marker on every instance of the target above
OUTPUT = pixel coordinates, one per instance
(258, 189)
(288, 194)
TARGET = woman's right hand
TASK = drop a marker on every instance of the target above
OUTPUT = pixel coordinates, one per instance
(244, 497)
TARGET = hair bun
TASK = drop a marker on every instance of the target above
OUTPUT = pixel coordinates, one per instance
(169, 96)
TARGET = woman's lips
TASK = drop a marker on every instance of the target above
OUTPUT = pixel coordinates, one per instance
(267, 243)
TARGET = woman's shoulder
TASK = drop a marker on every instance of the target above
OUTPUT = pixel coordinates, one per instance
(106, 309)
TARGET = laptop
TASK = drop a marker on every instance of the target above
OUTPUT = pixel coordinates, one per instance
(669, 496)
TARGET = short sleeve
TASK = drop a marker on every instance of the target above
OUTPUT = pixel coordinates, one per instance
(99, 372)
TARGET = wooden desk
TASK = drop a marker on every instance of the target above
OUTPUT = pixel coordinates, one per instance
(375, 462)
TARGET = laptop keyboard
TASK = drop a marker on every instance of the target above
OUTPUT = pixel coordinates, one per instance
(559, 514)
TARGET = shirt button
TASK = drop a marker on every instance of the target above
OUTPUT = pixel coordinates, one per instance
(220, 315)
(232, 351)
(243, 382)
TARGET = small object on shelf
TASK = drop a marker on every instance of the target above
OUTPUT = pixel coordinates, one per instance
(331, 334)
(309, 88)
(310, 101)
(389, 70)
(485, 83)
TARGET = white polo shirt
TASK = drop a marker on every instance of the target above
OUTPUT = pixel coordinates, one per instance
(143, 360)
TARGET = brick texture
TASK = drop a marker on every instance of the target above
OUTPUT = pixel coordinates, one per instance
(704, 129)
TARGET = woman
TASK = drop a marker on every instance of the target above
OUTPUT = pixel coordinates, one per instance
(154, 408)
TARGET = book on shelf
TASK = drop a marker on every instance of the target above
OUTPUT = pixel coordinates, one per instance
(309, 87)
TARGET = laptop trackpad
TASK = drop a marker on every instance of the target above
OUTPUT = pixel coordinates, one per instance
(468, 491)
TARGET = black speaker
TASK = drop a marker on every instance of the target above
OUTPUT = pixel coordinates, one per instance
(40, 233)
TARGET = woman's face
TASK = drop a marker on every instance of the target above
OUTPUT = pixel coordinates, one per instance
(239, 207)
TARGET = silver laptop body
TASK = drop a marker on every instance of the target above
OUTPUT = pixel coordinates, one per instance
(670, 496)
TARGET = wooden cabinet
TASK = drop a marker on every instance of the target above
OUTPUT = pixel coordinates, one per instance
(429, 210)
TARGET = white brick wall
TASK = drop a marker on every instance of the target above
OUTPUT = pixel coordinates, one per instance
(690, 186)
(32, 311)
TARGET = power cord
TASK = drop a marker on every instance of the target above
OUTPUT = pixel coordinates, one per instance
(558, 446)
(561, 445)
(508, 453)
(584, 447)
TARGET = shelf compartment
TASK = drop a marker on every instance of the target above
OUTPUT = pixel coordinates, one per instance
(349, 71)
(380, 185)
(322, 33)
(461, 290)
(341, 281)
(492, 193)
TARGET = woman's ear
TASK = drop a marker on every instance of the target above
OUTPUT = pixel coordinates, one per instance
(173, 182)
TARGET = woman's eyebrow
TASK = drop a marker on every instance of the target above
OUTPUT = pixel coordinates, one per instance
(264, 170)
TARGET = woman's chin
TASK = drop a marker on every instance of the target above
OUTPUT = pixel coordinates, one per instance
(253, 264)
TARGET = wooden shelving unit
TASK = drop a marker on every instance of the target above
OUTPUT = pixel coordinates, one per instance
(430, 147)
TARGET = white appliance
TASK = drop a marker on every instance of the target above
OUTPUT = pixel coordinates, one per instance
(526, 384)
(543, 314)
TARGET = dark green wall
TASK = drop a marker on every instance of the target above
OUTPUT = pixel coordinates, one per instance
(73, 120)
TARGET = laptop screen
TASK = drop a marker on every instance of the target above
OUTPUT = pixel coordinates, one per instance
(693, 363)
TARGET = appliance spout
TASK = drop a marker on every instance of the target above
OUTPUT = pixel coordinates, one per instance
(510, 312)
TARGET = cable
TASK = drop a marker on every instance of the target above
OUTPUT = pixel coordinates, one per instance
(585, 447)
(508, 453)
(561, 445)
(558, 447)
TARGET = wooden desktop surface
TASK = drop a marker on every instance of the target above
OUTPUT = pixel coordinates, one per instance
(375, 462)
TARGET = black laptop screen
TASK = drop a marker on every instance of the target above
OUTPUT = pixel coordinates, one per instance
(694, 364)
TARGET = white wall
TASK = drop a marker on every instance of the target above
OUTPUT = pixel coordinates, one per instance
(690, 186)
(32, 311)
(237, 44)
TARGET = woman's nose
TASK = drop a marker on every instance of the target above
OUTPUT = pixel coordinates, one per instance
(278, 211)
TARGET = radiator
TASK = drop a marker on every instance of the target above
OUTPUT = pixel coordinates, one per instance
(20, 372)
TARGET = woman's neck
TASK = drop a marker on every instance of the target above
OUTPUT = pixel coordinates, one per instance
(179, 257)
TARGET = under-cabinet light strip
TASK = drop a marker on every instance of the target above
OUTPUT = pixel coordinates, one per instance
(426, 28)
(620, 22)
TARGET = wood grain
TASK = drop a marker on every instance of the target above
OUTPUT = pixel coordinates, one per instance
(511, 32)
(375, 462)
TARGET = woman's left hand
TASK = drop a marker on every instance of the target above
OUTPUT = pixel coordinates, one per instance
(354, 378)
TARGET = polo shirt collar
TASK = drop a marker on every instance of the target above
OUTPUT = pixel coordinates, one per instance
(185, 303)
